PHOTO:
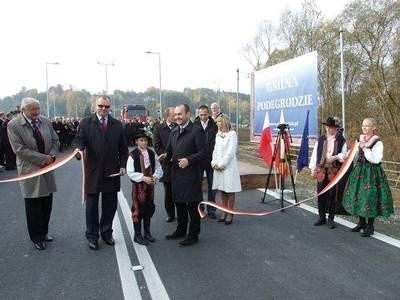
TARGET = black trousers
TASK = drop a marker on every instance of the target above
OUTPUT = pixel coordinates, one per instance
(11, 158)
(326, 202)
(168, 200)
(38, 212)
(184, 211)
(109, 202)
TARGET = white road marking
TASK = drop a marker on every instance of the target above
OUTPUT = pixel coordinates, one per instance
(379, 236)
(154, 283)
(129, 284)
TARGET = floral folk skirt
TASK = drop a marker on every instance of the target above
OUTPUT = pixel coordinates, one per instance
(367, 192)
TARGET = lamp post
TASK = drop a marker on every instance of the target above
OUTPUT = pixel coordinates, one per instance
(237, 95)
(159, 72)
(342, 80)
(106, 65)
(47, 90)
(237, 99)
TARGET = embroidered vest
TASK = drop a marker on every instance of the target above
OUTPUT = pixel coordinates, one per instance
(135, 154)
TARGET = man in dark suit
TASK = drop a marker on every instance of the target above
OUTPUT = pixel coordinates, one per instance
(2, 120)
(186, 149)
(161, 135)
(207, 123)
(105, 153)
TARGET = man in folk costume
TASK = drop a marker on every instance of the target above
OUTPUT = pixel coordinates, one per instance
(326, 159)
(144, 170)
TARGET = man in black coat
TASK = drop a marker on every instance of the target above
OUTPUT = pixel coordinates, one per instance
(161, 135)
(2, 120)
(186, 149)
(207, 123)
(105, 153)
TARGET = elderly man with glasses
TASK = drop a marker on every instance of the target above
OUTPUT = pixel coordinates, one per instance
(102, 139)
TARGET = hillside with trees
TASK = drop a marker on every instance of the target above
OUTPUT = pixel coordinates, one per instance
(371, 51)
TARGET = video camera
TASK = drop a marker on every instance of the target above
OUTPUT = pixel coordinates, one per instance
(283, 126)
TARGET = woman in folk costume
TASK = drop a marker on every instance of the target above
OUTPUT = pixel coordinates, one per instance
(367, 193)
(144, 170)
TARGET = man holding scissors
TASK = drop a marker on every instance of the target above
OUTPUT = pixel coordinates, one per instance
(102, 139)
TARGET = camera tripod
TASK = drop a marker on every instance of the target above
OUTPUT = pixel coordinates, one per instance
(284, 161)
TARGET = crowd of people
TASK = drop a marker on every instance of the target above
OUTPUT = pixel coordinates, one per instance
(180, 153)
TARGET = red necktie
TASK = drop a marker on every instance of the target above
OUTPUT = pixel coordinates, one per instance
(36, 129)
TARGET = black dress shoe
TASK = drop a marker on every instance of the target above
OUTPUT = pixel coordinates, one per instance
(48, 238)
(212, 215)
(39, 245)
(331, 224)
(138, 238)
(169, 219)
(109, 241)
(358, 228)
(368, 231)
(320, 222)
(175, 235)
(190, 240)
(149, 237)
(94, 245)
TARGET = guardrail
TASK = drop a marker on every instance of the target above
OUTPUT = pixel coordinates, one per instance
(249, 151)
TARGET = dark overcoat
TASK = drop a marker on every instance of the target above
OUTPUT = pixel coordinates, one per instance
(210, 132)
(105, 153)
(190, 144)
(161, 135)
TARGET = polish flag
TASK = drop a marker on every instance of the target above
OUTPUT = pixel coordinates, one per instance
(265, 147)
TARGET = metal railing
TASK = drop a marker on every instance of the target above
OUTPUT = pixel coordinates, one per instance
(249, 152)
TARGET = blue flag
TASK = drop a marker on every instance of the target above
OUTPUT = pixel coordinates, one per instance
(302, 159)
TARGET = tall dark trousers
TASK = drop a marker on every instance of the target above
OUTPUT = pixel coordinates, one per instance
(326, 202)
(168, 200)
(38, 212)
(184, 211)
(109, 202)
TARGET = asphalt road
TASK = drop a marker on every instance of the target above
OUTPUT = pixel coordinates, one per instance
(280, 256)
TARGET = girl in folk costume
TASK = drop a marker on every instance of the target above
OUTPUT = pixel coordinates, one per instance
(326, 159)
(367, 193)
(144, 170)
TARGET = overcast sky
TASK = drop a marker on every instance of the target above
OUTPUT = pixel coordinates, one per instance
(200, 42)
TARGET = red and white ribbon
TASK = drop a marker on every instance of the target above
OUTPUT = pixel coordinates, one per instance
(58, 163)
(345, 166)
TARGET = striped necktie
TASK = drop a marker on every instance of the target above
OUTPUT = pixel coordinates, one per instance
(103, 124)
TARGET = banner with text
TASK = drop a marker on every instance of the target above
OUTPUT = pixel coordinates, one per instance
(286, 91)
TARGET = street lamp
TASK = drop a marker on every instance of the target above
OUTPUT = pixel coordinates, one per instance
(237, 95)
(342, 80)
(159, 72)
(106, 65)
(237, 100)
(47, 90)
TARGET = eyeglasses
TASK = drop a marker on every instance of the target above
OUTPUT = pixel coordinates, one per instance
(103, 106)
